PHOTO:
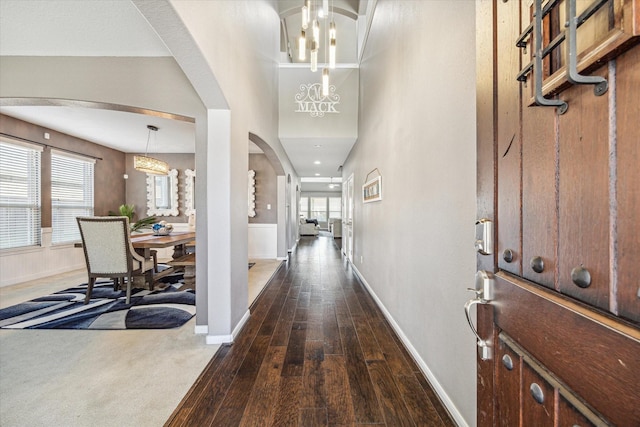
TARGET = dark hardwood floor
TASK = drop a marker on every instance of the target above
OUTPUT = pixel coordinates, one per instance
(316, 351)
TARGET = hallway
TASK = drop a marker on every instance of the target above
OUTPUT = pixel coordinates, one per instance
(315, 351)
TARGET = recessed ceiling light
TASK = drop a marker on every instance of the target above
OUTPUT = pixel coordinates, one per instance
(317, 174)
(317, 145)
(317, 162)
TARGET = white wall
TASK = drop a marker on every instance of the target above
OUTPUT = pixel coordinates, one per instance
(417, 126)
(239, 41)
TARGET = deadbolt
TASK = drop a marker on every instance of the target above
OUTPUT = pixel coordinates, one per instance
(581, 277)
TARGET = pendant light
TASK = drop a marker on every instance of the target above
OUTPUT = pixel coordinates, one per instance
(302, 46)
(314, 56)
(332, 44)
(316, 30)
(149, 164)
(325, 82)
(305, 17)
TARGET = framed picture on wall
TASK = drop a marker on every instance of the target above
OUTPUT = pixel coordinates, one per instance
(372, 190)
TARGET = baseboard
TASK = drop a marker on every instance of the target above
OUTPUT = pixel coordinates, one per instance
(224, 339)
(201, 329)
(240, 325)
(218, 339)
(444, 397)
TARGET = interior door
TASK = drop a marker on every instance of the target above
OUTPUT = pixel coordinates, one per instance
(558, 293)
(347, 223)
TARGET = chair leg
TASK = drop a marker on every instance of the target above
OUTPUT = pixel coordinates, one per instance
(129, 282)
(92, 280)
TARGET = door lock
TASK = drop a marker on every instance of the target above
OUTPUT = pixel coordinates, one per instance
(484, 291)
(484, 236)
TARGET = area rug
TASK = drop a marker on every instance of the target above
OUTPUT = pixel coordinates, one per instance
(159, 309)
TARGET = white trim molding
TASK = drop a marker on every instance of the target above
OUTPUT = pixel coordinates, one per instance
(201, 329)
(224, 339)
(446, 400)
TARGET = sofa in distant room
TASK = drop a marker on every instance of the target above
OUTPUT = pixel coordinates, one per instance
(308, 227)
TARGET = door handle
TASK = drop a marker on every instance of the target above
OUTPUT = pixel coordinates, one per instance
(484, 294)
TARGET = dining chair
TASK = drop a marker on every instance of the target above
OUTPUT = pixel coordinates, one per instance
(108, 253)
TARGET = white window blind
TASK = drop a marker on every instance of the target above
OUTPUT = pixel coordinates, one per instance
(335, 207)
(19, 194)
(319, 208)
(71, 194)
(304, 206)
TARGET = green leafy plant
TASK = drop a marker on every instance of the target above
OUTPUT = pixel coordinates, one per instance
(130, 212)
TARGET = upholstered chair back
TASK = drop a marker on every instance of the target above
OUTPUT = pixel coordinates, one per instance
(106, 244)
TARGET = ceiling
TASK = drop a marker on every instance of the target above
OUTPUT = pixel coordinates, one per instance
(116, 28)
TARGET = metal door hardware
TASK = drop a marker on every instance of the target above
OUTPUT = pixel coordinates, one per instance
(507, 255)
(484, 236)
(507, 362)
(573, 21)
(484, 294)
(569, 35)
(581, 277)
(537, 393)
(537, 68)
(537, 264)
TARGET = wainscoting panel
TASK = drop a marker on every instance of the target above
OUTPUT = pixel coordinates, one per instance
(21, 265)
(263, 241)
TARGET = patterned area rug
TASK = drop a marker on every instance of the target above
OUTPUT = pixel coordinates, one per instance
(159, 309)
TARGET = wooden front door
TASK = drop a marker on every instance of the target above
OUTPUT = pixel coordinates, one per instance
(559, 178)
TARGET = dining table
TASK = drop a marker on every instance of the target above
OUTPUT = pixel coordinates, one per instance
(145, 243)
(178, 239)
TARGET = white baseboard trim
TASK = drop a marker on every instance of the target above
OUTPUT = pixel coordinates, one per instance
(218, 339)
(201, 329)
(224, 339)
(282, 258)
(240, 324)
(446, 400)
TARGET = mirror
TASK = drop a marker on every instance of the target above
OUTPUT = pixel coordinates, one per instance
(189, 192)
(162, 194)
(252, 192)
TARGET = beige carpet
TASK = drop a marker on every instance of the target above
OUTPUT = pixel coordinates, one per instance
(99, 378)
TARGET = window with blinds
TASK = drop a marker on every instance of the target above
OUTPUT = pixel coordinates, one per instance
(335, 207)
(71, 194)
(304, 206)
(19, 194)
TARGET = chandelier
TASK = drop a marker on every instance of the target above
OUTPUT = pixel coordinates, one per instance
(149, 164)
(312, 15)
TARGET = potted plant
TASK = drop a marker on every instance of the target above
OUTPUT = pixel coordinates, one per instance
(130, 211)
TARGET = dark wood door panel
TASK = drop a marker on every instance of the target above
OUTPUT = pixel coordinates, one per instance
(539, 184)
(584, 195)
(538, 402)
(509, 143)
(539, 218)
(570, 416)
(587, 350)
(507, 368)
(628, 184)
